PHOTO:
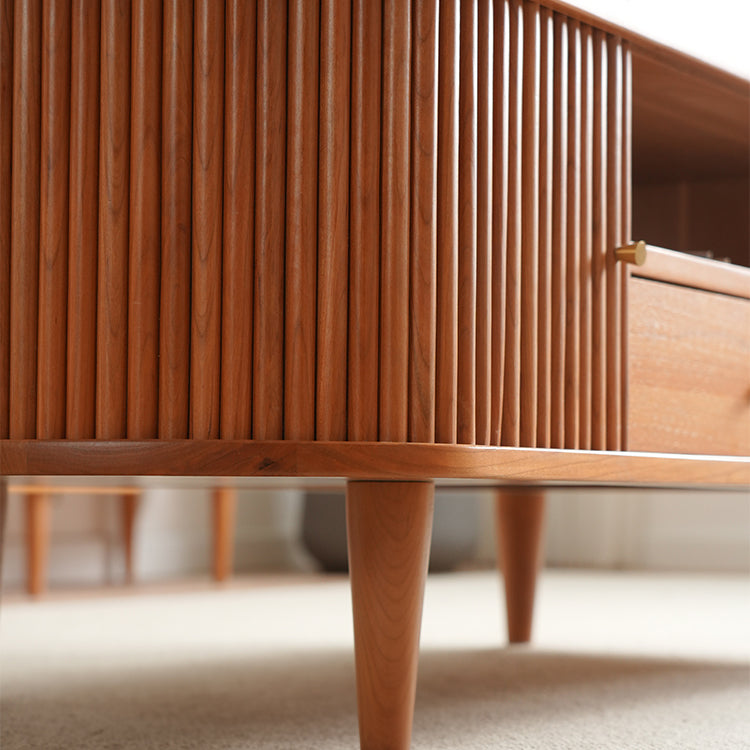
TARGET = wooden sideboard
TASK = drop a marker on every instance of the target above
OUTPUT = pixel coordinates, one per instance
(372, 241)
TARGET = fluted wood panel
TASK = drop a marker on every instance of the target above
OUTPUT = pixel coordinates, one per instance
(312, 219)
(145, 222)
(83, 225)
(6, 157)
(53, 220)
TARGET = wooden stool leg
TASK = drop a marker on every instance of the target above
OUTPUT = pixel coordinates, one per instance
(129, 508)
(3, 513)
(520, 520)
(37, 541)
(224, 510)
(389, 525)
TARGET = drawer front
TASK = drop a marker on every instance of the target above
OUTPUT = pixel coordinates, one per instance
(688, 370)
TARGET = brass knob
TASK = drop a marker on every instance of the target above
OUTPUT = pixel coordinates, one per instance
(633, 253)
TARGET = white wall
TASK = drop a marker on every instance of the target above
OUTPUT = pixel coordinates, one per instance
(614, 529)
(644, 529)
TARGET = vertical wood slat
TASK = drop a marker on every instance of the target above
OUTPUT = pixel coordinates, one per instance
(500, 124)
(484, 222)
(176, 198)
(512, 378)
(145, 221)
(208, 180)
(6, 157)
(270, 188)
(394, 239)
(301, 220)
(627, 229)
(239, 222)
(573, 241)
(614, 238)
(599, 248)
(24, 259)
(446, 353)
(423, 260)
(83, 220)
(364, 248)
(53, 220)
(529, 207)
(467, 228)
(546, 199)
(112, 307)
(587, 124)
(559, 233)
(333, 221)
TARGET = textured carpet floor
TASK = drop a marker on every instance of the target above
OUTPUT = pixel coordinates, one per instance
(620, 661)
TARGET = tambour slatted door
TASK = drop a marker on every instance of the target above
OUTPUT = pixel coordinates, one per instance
(311, 221)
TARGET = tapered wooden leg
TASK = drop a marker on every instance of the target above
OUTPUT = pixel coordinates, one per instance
(37, 541)
(3, 513)
(520, 522)
(389, 525)
(224, 509)
(129, 508)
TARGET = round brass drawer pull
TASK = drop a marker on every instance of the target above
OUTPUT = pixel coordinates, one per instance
(633, 253)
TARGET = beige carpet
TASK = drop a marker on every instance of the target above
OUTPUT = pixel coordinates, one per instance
(620, 661)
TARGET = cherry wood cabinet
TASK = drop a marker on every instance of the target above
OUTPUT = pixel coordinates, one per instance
(371, 240)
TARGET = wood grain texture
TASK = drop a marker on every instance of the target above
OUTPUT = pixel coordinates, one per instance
(224, 511)
(478, 465)
(239, 221)
(520, 527)
(446, 354)
(394, 227)
(466, 412)
(145, 221)
(270, 179)
(364, 232)
(512, 379)
(24, 255)
(599, 249)
(586, 237)
(529, 206)
(53, 220)
(423, 259)
(389, 525)
(546, 201)
(83, 220)
(559, 233)
(485, 97)
(501, 90)
(573, 243)
(689, 370)
(301, 220)
(6, 160)
(333, 221)
(114, 176)
(614, 239)
(176, 196)
(208, 181)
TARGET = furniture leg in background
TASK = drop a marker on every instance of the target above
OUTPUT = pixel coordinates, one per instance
(3, 514)
(38, 508)
(37, 541)
(224, 506)
(389, 526)
(520, 523)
